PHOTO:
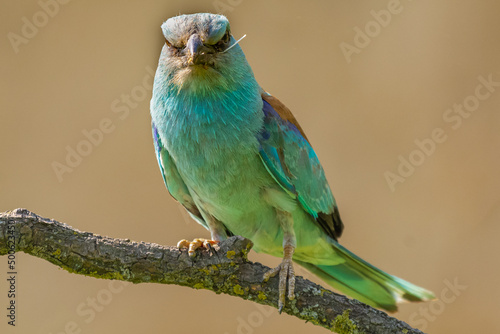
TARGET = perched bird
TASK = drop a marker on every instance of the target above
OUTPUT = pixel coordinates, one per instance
(235, 157)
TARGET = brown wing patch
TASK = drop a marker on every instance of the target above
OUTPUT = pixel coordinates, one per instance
(283, 111)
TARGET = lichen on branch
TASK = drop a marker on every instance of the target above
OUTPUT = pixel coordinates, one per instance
(226, 269)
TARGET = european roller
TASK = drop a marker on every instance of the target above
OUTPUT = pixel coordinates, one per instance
(235, 157)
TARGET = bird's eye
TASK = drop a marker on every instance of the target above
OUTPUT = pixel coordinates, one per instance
(223, 41)
(170, 45)
(226, 37)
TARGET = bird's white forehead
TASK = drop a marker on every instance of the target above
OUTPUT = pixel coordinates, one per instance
(210, 27)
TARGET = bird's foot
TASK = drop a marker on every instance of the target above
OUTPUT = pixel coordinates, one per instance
(192, 246)
(287, 273)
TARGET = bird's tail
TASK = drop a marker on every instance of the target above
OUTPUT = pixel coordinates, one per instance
(359, 279)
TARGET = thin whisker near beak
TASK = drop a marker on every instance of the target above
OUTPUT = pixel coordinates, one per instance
(234, 43)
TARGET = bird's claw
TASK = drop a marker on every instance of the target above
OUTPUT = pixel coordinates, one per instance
(287, 273)
(192, 246)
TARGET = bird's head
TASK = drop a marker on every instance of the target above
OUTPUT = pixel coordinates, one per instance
(199, 53)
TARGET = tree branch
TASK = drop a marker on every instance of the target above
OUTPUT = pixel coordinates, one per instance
(226, 270)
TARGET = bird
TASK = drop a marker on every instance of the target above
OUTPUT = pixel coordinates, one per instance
(239, 162)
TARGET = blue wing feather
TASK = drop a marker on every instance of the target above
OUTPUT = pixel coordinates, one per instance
(292, 162)
(175, 185)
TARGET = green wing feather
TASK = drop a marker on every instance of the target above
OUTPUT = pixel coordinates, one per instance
(292, 162)
(173, 181)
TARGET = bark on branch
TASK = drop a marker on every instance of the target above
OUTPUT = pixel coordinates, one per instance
(226, 270)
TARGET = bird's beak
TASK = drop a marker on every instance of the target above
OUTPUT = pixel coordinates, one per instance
(193, 45)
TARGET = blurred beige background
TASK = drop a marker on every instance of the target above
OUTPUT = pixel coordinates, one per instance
(437, 228)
